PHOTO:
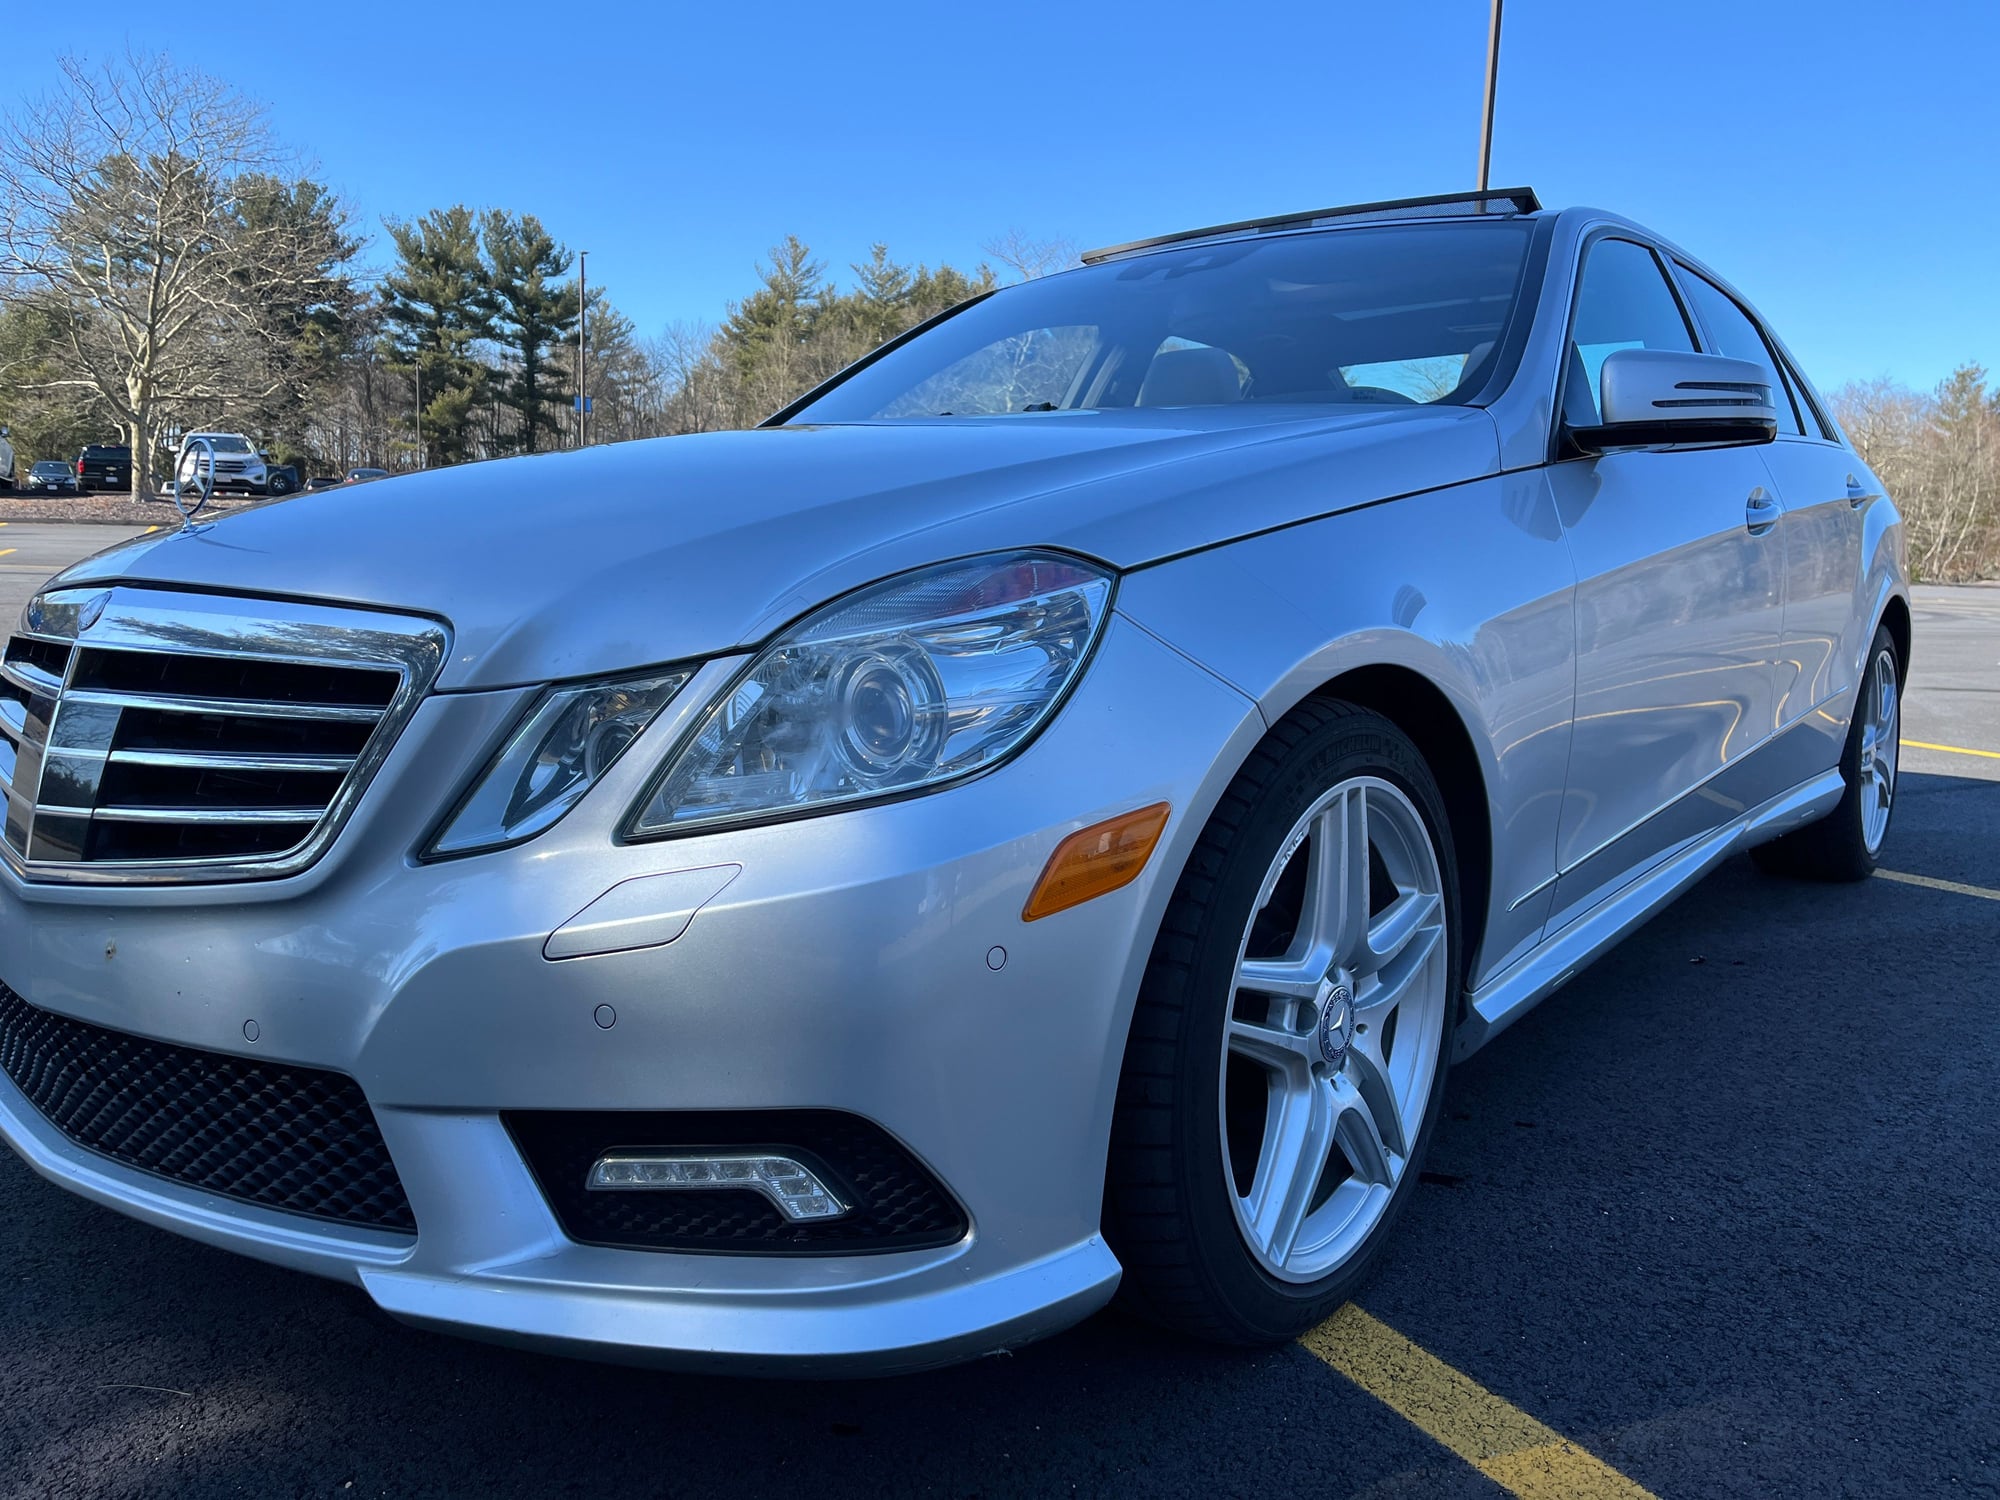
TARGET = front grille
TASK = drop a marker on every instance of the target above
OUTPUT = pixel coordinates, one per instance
(897, 1204)
(187, 737)
(295, 1139)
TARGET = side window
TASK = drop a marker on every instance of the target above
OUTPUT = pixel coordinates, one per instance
(1808, 403)
(1736, 336)
(1623, 302)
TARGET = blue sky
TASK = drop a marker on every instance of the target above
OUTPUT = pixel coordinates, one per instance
(1836, 159)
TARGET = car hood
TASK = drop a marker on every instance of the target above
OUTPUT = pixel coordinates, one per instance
(572, 564)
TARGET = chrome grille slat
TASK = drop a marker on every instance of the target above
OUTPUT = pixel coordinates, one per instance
(236, 708)
(224, 760)
(30, 678)
(194, 815)
(184, 737)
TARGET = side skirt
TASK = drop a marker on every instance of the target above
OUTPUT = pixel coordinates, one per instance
(1536, 975)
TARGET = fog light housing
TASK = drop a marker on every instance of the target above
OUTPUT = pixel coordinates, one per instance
(791, 1186)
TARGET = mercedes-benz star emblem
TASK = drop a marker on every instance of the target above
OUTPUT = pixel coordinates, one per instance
(1336, 1025)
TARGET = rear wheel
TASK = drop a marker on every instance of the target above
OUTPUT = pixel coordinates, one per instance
(1289, 1051)
(1846, 844)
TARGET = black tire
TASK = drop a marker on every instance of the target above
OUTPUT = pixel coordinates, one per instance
(280, 483)
(1836, 849)
(1168, 1213)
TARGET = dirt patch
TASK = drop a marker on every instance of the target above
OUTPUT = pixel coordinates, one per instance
(102, 510)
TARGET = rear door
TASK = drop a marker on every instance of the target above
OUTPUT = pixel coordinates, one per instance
(1679, 605)
(1826, 495)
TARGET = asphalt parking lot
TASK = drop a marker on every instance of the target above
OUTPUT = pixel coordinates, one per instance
(1720, 1218)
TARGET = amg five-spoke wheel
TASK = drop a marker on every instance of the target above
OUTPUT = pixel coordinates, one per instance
(1333, 1034)
(1881, 740)
(1289, 1051)
(1845, 844)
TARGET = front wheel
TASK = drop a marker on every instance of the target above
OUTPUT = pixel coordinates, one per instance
(1289, 1050)
(1846, 844)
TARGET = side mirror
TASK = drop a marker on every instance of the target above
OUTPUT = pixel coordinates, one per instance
(1656, 397)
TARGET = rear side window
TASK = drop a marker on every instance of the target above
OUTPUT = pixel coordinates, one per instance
(1623, 302)
(1733, 334)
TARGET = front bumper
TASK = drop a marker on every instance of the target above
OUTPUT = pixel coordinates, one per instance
(849, 966)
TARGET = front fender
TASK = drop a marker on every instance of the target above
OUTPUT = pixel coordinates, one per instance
(1469, 587)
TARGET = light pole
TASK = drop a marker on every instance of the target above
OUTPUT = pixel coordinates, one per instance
(582, 351)
(1492, 81)
(418, 367)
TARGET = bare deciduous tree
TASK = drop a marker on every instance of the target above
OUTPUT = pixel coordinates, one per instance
(1939, 455)
(121, 214)
(1029, 258)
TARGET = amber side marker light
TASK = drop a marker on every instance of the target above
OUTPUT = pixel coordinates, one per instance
(1097, 860)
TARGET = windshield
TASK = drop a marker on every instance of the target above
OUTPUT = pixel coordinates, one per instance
(48, 467)
(223, 443)
(1396, 315)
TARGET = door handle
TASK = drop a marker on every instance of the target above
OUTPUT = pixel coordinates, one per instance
(1859, 494)
(1760, 512)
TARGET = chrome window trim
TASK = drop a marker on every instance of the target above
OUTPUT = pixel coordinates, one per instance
(167, 622)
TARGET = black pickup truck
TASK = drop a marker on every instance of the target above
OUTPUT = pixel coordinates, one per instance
(104, 466)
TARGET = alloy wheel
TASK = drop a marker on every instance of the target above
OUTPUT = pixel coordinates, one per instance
(1332, 1044)
(1880, 743)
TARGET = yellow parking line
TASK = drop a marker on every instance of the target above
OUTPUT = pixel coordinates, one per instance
(8, 551)
(1952, 749)
(1493, 1435)
(1957, 888)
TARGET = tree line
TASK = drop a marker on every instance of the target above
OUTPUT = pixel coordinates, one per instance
(166, 266)
(1938, 454)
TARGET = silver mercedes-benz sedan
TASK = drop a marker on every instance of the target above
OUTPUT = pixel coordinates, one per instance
(1035, 821)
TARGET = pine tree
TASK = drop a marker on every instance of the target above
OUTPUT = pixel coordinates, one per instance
(536, 311)
(766, 333)
(303, 324)
(438, 305)
(879, 307)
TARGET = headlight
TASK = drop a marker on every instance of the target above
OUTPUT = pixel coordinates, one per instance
(574, 736)
(908, 684)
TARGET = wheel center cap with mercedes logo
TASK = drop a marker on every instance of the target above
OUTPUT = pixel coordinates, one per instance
(1336, 1022)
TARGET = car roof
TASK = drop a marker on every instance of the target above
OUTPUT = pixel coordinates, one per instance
(1492, 203)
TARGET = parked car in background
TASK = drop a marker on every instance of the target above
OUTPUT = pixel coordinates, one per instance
(51, 475)
(1036, 821)
(323, 482)
(238, 467)
(6, 459)
(104, 466)
(361, 476)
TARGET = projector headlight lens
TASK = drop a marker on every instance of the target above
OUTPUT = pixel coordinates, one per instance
(909, 684)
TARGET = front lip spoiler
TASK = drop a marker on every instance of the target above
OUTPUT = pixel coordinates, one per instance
(742, 1335)
(536, 1300)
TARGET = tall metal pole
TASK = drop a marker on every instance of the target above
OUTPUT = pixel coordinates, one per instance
(1492, 82)
(419, 368)
(582, 352)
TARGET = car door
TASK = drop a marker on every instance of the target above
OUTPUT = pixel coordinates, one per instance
(1826, 493)
(1679, 605)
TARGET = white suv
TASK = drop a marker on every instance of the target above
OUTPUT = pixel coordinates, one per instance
(237, 463)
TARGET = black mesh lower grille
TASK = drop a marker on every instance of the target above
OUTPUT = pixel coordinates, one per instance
(896, 1204)
(290, 1138)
